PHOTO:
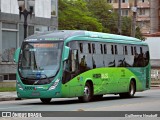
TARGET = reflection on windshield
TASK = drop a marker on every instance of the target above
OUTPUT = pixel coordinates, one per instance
(39, 60)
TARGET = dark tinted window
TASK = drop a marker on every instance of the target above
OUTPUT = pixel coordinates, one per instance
(105, 49)
(132, 51)
(93, 48)
(101, 48)
(81, 47)
(89, 47)
(112, 49)
(116, 52)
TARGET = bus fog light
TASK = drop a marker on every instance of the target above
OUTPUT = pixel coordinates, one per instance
(54, 85)
(19, 86)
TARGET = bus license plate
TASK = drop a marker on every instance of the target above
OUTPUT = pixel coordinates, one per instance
(35, 94)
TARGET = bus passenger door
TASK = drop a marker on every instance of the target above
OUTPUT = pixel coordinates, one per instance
(75, 87)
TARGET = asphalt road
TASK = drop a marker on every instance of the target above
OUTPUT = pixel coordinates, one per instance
(143, 101)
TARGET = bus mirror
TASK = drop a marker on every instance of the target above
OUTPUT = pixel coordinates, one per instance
(16, 55)
(66, 53)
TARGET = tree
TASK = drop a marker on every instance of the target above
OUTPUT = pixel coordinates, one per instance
(74, 14)
(93, 15)
(103, 12)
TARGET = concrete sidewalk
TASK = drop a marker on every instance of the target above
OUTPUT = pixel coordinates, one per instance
(7, 96)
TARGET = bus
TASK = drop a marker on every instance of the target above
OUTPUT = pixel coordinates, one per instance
(83, 64)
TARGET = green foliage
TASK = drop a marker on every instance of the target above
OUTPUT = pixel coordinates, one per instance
(103, 12)
(139, 34)
(126, 26)
(75, 15)
(93, 15)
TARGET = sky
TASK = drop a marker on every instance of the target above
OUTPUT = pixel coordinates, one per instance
(154, 47)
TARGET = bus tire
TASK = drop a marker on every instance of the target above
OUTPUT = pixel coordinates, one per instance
(131, 92)
(88, 93)
(45, 100)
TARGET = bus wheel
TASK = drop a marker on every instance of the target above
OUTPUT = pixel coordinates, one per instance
(131, 92)
(88, 94)
(45, 100)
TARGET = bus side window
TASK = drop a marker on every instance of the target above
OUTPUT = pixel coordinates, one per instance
(81, 47)
(125, 50)
(93, 48)
(89, 48)
(101, 48)
(112, 49)
(116, 52)
(132, 51)
(105, 49)
(74, 59)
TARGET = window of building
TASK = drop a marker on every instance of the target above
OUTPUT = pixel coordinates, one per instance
(54, 7)
(9, 41)
(9, 45)
(124, 1)
(109, 1)
(141, 11)
(125, 12)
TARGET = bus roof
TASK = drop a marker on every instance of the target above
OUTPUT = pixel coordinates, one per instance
(65, 34)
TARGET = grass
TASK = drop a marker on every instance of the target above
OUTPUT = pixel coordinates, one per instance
(7, 89)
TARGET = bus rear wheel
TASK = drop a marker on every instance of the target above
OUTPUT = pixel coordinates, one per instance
(88, 93)
(45, 100)
(131, 92)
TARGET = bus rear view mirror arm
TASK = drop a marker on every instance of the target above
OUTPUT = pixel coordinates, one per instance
(66, 53)
(16, 55)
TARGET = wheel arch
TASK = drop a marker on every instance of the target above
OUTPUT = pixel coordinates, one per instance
(135, 83)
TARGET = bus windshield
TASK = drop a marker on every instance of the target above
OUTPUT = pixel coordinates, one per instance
(39, 60)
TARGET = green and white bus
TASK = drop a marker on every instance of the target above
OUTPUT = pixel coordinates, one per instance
(83, 64)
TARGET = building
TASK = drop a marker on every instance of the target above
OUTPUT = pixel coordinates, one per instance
(152, 41)
(148, 13)
(43, 18)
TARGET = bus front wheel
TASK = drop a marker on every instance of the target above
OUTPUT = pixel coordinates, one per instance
(88, 93)
(45, 100)
(131, 92)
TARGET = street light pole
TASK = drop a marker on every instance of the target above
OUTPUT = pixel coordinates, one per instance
(119, 17)
(25, 13)
(134, 9)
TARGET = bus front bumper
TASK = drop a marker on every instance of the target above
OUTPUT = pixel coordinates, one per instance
(38, 94)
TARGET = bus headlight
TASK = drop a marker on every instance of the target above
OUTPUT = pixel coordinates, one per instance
(19, 85)
(54, 84)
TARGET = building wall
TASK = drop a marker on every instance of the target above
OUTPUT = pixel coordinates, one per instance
(154, 15)
(148, 13)
(12, 32)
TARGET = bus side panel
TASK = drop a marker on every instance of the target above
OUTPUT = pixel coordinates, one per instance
(105, 80)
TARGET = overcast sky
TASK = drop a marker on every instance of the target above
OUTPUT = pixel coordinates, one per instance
(154, 46)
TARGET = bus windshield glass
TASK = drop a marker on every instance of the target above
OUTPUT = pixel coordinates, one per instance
(40, 60)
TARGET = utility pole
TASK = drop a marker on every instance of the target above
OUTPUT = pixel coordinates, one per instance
(119, 17)
(134, 9)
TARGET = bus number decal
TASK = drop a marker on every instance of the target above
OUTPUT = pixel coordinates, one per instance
(102, 76)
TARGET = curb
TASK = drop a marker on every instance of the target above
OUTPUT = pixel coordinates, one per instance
(8, 99)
